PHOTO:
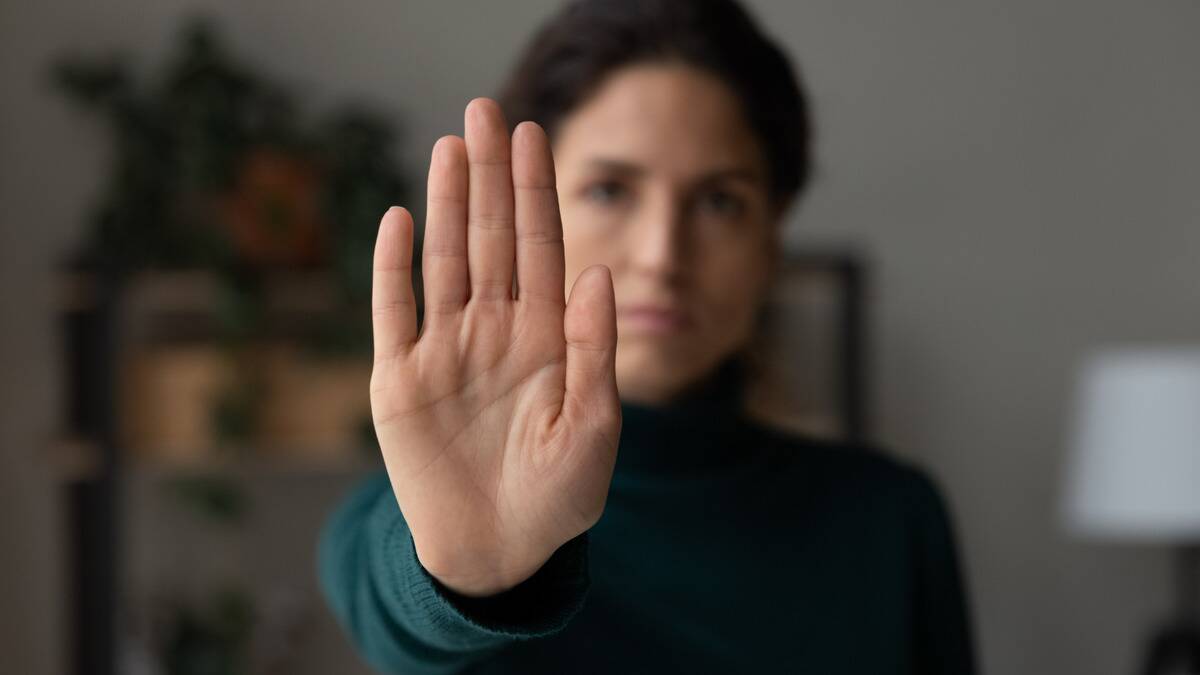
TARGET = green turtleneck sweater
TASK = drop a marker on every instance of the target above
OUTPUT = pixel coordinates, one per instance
(725, 546)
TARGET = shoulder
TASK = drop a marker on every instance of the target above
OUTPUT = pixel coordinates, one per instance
(866, 473)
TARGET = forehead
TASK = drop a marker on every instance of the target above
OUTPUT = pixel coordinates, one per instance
(669, 118)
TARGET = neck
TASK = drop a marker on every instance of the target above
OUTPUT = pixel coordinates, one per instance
(701, 428)
(723, 383)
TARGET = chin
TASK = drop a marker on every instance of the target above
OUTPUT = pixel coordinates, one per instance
(649, 374)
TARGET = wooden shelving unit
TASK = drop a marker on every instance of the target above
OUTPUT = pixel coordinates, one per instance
(87, 458)
(100, 316)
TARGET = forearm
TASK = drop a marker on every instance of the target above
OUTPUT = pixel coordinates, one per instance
(403, 620)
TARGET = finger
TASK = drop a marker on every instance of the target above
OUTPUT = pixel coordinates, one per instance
(444, 254)
(393, 307)
(590, 328)
(490, 215)
(538, 223)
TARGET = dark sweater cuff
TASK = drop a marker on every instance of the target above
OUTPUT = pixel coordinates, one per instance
(541, 605)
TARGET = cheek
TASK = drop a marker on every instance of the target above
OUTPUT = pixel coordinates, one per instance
(592, 233)
(733, 290)
(582, 247)
(734, 283)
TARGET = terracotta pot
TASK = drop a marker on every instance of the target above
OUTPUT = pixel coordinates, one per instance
(168, 395)
(273, 212)
(312, 407)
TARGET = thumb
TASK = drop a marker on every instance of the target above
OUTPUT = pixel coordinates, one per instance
(590, 328)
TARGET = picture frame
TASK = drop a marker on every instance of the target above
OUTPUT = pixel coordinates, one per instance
(809, 350)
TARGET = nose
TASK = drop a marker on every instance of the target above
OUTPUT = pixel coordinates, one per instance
(660, 245)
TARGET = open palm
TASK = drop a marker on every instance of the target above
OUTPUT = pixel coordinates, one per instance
(499, 421)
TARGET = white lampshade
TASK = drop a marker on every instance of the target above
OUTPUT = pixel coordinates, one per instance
(1134, 465)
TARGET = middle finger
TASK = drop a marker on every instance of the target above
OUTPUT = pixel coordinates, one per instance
(490, 233)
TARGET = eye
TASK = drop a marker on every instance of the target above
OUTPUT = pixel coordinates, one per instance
(605, 192)
(722, 203)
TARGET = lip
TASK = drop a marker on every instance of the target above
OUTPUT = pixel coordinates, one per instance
(654, 319)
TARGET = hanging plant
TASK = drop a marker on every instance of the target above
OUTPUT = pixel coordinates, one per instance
(215, 167)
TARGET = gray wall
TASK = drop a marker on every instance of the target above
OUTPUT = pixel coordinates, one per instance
(1024, 174)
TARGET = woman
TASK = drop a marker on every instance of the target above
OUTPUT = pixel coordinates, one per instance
(509, 535)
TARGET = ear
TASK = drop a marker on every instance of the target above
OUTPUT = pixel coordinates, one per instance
(766, 274)
(774, 254)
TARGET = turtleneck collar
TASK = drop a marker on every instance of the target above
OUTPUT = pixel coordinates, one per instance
(701, 430)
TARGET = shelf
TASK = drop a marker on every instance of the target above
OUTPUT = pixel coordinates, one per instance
(199, 292)
(74, 292)
(251, 467)
(73, 458)
(77, 459)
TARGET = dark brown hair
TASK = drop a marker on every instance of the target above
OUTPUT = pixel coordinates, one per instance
(587, 40)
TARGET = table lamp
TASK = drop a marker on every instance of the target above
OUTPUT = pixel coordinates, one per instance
(1133, 474)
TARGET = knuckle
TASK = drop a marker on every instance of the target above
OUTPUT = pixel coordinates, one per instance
(540, 237)
(491, 289)
(391, 307)
(492, 221)
(440, 251)
(443, 307)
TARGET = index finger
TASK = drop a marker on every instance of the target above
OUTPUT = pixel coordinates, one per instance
(393, 306)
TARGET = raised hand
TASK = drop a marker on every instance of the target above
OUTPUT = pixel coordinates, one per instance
(499, 420)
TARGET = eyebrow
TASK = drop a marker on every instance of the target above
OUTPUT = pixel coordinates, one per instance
(631, 169)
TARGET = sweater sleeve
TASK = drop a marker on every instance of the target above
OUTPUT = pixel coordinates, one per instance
(943, 634)
(403, 620)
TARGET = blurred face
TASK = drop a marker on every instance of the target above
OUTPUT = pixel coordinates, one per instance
(661, 179)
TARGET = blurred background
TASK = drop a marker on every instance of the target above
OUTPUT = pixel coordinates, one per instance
(1016, 184)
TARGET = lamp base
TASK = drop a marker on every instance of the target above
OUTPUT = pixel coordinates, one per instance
(1175, 650)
